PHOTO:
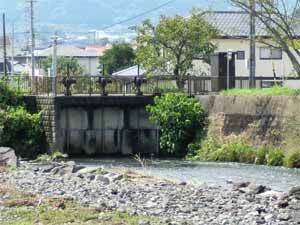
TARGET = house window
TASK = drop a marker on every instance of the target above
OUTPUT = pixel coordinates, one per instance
(270, 53)
(240, 55)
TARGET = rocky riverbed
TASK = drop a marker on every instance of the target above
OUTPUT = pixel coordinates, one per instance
(173, 203)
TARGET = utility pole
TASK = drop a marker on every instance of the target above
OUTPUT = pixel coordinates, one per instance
(4, 46)
(54, 65)
(12, 49)
(32, 34)
(252, 60)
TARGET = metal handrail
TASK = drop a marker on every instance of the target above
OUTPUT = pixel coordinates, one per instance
(89, 85)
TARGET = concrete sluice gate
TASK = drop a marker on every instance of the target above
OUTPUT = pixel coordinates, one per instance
(96, 125)
(106, 131)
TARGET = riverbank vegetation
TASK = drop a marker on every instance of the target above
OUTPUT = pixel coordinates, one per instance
(184, 133)
(273, 91)
(237, 149)
(180, 119)
(19, 129)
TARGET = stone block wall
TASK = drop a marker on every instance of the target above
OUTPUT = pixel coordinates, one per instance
(47, 105)
(49, 114)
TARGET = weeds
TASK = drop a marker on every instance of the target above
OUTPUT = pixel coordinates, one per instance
(55, 156)
(19, 208)
(235, 149)
(273, 91)
(142, 161)
(292, 159)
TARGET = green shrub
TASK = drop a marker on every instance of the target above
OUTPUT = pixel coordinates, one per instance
(203, 150)
(232, 150)
(235, 151)
(292, 159)
(22, 131)
(261, 155)
(8, 96)
(275, 157)
(179, 118)
(244, 153)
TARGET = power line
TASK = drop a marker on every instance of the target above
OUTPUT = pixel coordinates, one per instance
(138, 15)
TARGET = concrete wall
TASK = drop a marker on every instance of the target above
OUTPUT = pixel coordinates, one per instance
(98, 125)
(263, 120)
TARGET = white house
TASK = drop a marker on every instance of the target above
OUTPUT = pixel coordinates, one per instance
(88, 59)
(233, 28)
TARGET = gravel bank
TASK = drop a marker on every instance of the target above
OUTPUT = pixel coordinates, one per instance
(175, 203)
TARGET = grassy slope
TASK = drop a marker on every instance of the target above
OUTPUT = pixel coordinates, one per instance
(274, 91)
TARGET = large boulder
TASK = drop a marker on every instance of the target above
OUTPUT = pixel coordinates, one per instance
(8, 157)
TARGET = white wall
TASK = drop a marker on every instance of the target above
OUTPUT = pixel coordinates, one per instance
(282, 67)
(90, 65)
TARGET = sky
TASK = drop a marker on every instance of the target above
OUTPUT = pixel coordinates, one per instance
(101, 13)
(81, 16)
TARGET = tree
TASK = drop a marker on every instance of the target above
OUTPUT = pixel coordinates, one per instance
(171, 46)
(280, 19)
(118, 57)
(63, 65)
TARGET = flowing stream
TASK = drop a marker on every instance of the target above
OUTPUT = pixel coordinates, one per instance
(279, 179)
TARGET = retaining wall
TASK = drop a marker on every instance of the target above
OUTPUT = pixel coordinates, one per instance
(265, 120)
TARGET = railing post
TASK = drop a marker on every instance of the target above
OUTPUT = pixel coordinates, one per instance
(55, 86)
(18, 83)
(36, 85)
(189, 85)
(90, 86)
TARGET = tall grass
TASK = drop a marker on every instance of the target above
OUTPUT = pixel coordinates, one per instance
(273, 91)
(235, 149)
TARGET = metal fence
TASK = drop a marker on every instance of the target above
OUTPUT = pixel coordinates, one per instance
(89, 85)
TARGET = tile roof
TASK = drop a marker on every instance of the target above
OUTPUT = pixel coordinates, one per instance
(68, 51)
(233, 23)
(99, 49)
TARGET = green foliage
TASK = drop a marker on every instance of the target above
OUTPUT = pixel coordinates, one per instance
(275, 157)
(232, 150)
(171, 46)
(261, 155)
(237, 150)
(273, 91)
(22, 131)
(204, 150)
(292, 159)
(63, 65)
(8, 96)
(118, 57)
(19, 129)
(179, 118)
(54, 156)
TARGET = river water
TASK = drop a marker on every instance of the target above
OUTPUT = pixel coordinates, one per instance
(219, 174)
